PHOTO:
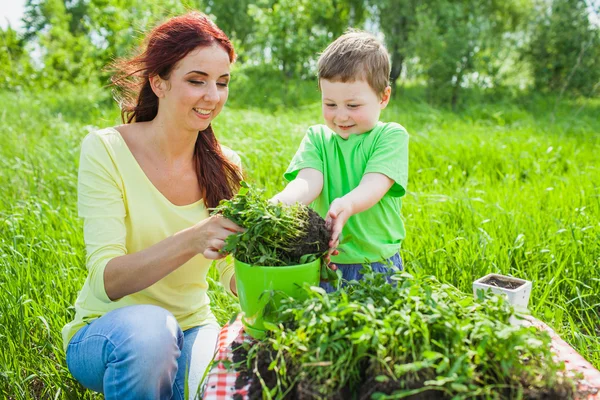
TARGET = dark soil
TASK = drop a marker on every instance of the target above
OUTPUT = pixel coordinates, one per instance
(367, 386)
(370, 387)
(502, 283)
(314, 241)
(247, 373)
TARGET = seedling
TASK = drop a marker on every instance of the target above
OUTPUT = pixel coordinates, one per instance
(276, 234)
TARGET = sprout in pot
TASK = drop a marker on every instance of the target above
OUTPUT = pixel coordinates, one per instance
(276, 234)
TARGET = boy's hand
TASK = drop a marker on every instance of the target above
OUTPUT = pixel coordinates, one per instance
(339, 212)
(332, 252)
(336, 218)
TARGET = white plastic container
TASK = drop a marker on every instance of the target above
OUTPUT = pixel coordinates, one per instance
(517, 291)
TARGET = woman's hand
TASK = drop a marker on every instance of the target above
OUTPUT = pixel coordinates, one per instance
(211, 234)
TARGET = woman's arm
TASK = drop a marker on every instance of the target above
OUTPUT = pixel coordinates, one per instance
(304, 189)
(131, 273)
(113, 272)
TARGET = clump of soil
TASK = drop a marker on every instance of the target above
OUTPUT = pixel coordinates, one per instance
(304, 390)
(371, 385)
(314, 240)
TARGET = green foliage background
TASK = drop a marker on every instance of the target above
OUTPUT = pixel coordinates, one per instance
(543, 45)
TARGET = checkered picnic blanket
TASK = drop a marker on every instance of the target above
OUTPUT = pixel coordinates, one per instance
(221, 380)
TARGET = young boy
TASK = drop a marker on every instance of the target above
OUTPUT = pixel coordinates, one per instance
(354, 170)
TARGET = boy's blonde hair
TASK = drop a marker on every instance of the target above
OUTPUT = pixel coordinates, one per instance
(356, 55)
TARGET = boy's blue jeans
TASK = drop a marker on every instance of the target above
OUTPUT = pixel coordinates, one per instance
(352, 271)
(139, 352)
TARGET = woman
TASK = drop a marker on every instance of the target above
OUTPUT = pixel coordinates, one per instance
(143, 319)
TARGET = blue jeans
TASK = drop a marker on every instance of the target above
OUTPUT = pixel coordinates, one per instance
(351, 272)
(140, 352)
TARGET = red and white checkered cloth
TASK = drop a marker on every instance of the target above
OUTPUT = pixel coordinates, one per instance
(221, 381)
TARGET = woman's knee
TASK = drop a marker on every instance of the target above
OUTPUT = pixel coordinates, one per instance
(130, 342)
(146, 350)
(149, 329)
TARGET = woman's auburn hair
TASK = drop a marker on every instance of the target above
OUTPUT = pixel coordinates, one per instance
(165, 46)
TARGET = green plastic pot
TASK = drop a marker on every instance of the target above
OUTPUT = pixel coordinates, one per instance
(260, 290)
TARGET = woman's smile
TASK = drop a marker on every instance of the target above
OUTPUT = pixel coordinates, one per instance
(202, 113)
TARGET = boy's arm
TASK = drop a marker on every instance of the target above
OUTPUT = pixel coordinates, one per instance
(304, 189)
(372, 187)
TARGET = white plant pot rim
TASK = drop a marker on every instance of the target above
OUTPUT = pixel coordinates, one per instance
(522, 282)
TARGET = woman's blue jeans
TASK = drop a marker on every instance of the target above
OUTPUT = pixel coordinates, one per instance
(140, 352)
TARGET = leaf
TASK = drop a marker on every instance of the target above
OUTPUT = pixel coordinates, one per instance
(459, 387)
(234, 316)
(270, 326)
(307, 258)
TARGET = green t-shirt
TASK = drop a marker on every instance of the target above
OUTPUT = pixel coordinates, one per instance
(376, 233)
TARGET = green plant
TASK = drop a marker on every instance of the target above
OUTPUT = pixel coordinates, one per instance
(375, 340)
(276, 234)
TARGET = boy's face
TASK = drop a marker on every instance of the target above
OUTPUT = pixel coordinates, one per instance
(351, 108)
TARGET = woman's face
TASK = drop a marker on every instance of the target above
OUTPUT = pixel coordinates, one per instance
(197, 88)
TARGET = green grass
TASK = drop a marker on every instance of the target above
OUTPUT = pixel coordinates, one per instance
(502, 186)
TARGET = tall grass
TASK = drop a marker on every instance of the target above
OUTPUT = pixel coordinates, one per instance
(510, 186)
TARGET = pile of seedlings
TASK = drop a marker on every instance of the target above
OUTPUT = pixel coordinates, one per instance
(419, 339)
(276, 234)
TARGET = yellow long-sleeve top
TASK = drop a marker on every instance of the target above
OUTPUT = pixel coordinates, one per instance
(123, 213)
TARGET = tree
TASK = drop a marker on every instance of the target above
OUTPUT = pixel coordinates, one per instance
(397, 19)
(15, 64)
(66, 57)
(460, 40)
(290, 33)
(79, 38)
(565, 48)
(236, 22)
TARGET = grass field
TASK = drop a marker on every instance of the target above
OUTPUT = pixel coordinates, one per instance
(501, 186)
